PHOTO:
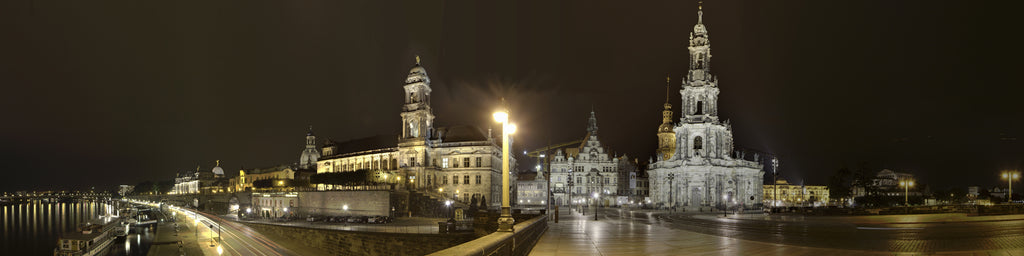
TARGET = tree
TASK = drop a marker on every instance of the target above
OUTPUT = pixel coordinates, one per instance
(357, 177)
(839, 184)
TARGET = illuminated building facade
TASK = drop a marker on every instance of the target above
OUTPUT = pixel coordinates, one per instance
(455, 162)
(583, 171)
(795, 195)
(698, 168)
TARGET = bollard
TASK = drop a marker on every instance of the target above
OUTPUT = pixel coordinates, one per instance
(556, 214)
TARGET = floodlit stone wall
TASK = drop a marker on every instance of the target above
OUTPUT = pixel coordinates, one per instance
(359, 203)
(338, 242)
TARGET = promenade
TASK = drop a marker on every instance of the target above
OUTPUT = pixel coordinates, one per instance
(612, 234)
(181, 241)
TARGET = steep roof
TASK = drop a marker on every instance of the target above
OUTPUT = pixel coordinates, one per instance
(459, 133)
(363, 144)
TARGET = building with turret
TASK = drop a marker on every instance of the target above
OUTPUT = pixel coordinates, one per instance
(458, 162)
(580, 173)
(695, 164)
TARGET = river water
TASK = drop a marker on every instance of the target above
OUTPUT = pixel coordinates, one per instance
(33, 228)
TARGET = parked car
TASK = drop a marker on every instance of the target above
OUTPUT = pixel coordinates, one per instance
(357, 219)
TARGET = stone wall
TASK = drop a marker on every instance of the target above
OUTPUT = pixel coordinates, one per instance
(338, 242)
(360, 203)
(517, 243)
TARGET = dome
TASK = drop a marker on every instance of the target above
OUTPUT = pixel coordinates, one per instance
(417, 74)
(218, 171)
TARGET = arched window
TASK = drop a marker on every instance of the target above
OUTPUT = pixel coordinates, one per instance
(700, 108)
(698, 143)
(412, 97)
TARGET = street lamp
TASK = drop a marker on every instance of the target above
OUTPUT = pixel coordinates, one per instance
(195, 224)
(775, 182)
(448, 204)
(672, 192)
(1009, 176)
(906, 184)
(596, 195)
(725, 205)
(506, 221)
(570, 183)
(220, 250)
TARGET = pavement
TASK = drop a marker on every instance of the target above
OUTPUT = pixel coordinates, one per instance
(410, 225)
(175, 237)
(210, 236)
(654, 233)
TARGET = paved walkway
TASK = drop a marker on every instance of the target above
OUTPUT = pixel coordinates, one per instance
(180, 241)
(576, 234)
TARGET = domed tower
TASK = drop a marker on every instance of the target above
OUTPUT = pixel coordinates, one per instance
(309, 154)
(666, 136)
(217, 171)
(700, 88)
(417, 117)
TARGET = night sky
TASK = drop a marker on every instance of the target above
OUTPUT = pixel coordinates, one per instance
(118, 92)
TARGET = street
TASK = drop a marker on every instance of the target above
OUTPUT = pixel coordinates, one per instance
(636, 232)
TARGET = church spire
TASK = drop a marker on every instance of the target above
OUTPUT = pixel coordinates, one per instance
(666, 115)
(592, 122)
(700, 12)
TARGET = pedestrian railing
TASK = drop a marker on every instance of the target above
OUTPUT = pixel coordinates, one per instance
(519, 242)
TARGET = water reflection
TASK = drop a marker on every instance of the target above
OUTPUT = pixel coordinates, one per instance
(33, 228)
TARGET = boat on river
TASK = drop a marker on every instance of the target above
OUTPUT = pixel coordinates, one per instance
(88, 240)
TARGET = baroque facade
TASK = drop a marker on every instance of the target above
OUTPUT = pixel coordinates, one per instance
(695, 166)
(456, 162)
(795, 195)
(578, 174)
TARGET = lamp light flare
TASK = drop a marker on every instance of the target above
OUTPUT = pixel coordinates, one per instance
(500, 116)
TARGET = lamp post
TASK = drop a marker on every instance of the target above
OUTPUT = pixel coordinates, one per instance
(505, 221)
(775, 182)
(1010, 176)
(671, 191)
(906, 184)
(572, 168)
(725, 205)
(596, 196)
(195, 225)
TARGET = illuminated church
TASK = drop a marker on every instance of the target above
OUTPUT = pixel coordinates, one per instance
(460, 162)
(695, 165)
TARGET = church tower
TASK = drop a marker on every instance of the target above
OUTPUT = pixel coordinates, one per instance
(417, 117)
(592, 123)
(700, 88)
(666, 136)
(310, 154)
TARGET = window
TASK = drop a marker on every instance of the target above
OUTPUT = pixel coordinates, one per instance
(444, 180)
(700, 108)
(455, 162)
(444, 163)
(412, 161)
(579, 180)
(466, 180)
(606, 181)
(465, 162)
(435, 162)
(479, 161)
(455, 179)
(479, 179)
(698, 143)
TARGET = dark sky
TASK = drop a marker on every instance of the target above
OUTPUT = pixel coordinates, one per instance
(118, 92)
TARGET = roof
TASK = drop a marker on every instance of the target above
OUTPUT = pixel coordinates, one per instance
(267, 169)
(459, 133)
(527, 176)
(363, 144)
